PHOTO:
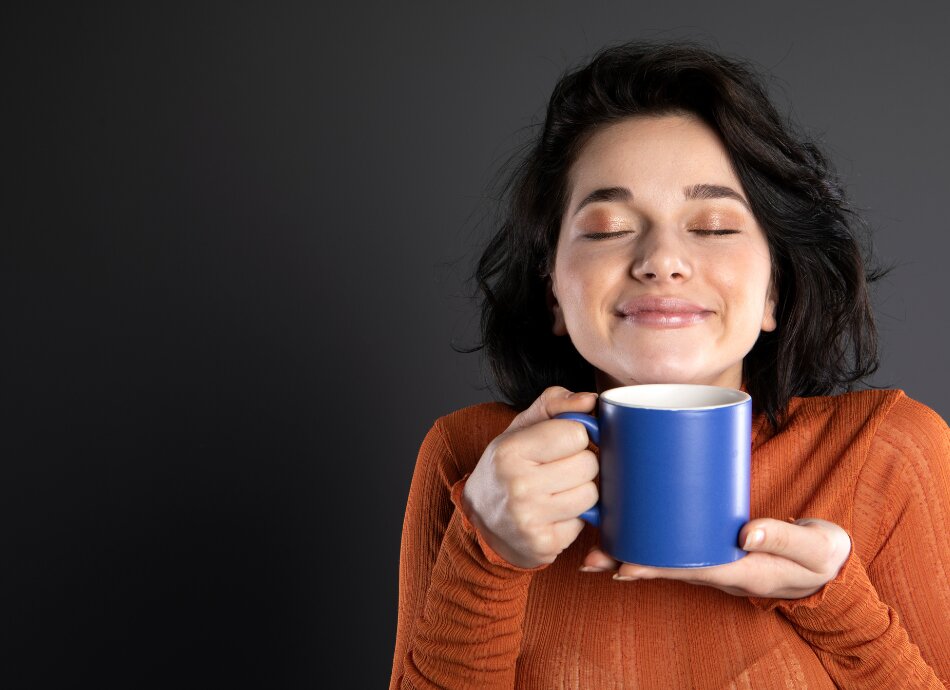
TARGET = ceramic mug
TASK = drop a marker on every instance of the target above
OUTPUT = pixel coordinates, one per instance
(675, 463)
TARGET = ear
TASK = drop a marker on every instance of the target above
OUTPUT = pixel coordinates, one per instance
(769, 322)
(559, 327)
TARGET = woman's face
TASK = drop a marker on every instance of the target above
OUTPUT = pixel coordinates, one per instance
(662, 274)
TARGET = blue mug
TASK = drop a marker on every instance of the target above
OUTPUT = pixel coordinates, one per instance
(675, 464)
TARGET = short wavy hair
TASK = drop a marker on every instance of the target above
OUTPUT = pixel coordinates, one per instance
(826, 338)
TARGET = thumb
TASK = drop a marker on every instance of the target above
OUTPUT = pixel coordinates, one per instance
(815, 544)
(552, 402)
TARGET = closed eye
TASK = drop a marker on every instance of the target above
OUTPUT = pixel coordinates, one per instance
(606, 235)
(706, 233)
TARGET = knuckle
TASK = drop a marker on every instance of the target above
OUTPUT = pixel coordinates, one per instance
(579, 436)
(550, 395)
(591, 494)
(590, 464)
(519, 488)
(544, 543)
(780, 540)
(576, 527)
(839, 546)
(554, 392)
(525, 523)
(826, 543)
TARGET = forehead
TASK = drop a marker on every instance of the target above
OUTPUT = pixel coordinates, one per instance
(656, 150)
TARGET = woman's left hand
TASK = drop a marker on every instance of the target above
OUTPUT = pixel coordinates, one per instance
(786, 561)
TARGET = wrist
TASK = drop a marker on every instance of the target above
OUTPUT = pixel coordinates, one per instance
(835, 592)
(493, 549)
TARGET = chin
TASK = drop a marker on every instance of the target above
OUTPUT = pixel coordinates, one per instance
(669, 373)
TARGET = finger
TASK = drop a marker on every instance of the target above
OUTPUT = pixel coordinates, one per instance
(571, 503)
(566, 531)
(597, 560)
(549, 440)
(634, 571)
(553, 401)
(817, 545)
(566, 473)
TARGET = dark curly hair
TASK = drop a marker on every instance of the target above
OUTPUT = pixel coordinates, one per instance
(826, 339)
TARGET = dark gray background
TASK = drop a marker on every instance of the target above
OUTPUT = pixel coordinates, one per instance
(235, 243)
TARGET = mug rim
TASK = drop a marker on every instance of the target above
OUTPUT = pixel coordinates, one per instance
(656, 396)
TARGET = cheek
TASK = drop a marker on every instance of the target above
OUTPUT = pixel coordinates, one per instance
(582, 295)
(575, 297)
(751, 271)
(590, 287)
(745, 284)
(574, 280)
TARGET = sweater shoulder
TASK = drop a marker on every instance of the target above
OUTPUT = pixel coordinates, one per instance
(859, 404)
(821, 431)
(859, 424)
(891, 406)
(910, 414)
(913, 439)
(856, 413)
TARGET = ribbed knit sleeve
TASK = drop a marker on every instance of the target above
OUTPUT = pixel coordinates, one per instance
(884, 622)
(461, 605)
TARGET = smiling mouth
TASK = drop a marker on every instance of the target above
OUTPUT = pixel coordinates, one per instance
(655, 311)
(666, 319)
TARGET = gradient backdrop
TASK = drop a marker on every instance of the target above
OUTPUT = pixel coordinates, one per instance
(235, 241)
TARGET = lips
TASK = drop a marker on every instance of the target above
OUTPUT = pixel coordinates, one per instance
(663, 312)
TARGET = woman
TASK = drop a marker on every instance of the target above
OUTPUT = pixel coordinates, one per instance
(668, 227)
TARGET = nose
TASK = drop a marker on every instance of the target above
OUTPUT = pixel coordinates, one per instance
(660, 257)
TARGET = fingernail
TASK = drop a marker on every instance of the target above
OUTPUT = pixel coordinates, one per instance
(755, 538)
(583, 395)
(624, 578)
(591, 569)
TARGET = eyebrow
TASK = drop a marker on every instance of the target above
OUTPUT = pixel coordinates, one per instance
(605, 194)
(714, 191)
(696, 191)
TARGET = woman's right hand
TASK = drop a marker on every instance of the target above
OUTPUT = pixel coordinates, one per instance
(534, 480)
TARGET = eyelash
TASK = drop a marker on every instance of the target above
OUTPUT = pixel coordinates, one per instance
(699, 231)
(605, 235)
(705, 233)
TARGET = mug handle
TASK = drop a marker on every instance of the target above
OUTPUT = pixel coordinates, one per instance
(591, 516)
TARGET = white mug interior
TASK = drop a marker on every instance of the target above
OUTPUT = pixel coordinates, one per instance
(674, 396)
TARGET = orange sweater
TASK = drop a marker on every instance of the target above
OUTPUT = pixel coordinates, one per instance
(875, 462)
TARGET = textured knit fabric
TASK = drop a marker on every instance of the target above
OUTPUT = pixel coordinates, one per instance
(877, 463)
